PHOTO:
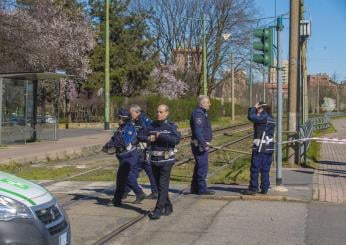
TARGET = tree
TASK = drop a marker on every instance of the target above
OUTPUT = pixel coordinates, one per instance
(329, 104)
(131, 59)
(177, 24)
(166, 83)
(46, 35)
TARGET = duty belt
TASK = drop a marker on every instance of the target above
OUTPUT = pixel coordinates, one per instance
(121, 150)
(266, 141)
(165, 154)
(142, 146)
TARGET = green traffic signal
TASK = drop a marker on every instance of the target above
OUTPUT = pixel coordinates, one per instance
(265, 46)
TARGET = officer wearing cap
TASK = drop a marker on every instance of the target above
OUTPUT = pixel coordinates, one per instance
(124, 140)
(263, 147)
(162, 135)
(142, 121)
(200, 143)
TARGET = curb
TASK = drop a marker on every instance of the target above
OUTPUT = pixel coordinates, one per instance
(256, 198)
(55, 155)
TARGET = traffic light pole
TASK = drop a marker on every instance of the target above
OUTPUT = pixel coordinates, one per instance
(279, 28)
(106, 93)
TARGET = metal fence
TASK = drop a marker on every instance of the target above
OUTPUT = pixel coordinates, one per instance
(306, 130)
(12, 132)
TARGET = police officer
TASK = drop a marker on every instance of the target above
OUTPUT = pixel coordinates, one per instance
(124, 140)
(141, 122)
(201, 138)
(163, 137)
(263, 147)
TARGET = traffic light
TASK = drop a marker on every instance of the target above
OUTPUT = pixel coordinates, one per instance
(265, 46)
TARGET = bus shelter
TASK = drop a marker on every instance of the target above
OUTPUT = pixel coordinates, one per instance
(20, 117)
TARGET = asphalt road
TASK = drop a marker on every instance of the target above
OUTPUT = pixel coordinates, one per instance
(200, 221)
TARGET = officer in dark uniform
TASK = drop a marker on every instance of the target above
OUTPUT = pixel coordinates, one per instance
(124, 141)
(263, 147)
(141, 122)
(163, 137)
(201, 138)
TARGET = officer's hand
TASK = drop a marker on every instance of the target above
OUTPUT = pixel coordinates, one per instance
(257, 105)
(157, 135)
(151, 138)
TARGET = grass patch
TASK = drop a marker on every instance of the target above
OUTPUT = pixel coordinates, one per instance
(314, 151)
(38, 173)
(99, 175)
(236, 173)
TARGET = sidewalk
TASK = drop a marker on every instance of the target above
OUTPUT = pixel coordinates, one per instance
(54, 150)
(330, 177)
(297, 181)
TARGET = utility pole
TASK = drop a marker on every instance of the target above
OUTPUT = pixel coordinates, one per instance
(205, 86)
(232, 84)
(279, 28)
(304, 113)
(293, 76)
(106, 94)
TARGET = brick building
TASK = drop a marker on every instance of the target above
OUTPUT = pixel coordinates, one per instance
(187, 58)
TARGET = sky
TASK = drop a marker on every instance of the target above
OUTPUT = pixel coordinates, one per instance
(327, 44)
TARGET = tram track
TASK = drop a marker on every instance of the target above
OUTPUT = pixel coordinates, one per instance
(100, 154)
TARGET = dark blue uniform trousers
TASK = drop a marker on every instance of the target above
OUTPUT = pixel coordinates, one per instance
(162, 174)
(125, 176)
(200, 172)
(142, 164)
(260, 163)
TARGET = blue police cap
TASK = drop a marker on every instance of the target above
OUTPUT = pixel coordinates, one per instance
(123, 113)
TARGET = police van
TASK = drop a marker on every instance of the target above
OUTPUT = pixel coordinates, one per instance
(29, 214)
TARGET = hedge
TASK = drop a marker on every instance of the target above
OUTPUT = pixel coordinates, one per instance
(180, 109)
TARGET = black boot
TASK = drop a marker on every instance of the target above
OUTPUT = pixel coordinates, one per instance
(249, 192)
(140, 197)
(154, 215)
(116, 202)
(125, 195)
(153, 196)
(168, 211)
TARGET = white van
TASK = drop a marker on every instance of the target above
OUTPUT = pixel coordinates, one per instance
(29, 214)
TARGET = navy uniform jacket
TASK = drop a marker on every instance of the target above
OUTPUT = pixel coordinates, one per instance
(264, 126)
(142, 123)
(201, 127)
(169, 137)
(123, 139)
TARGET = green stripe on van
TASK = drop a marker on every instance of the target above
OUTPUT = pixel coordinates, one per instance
(18, 195)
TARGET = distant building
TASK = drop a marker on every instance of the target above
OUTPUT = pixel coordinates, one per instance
(224, 90)
(273, 78)
(320, 79)
(187, 58)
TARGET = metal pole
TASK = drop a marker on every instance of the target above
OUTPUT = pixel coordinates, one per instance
(264, 85)
(318, 96)
(205, 86)
(232, 83)
(279, 29)
(250, 80)
(106, 94)
(1, 89)
(292, 84)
